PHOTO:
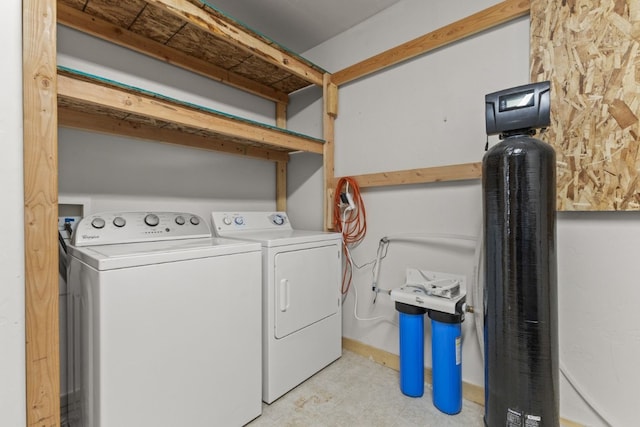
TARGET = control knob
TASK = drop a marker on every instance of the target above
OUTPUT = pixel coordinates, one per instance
(194, 220)
(277, 219)
(180, 220)
(238, 220)
(98, 223)
(119, 221)
(152, 220)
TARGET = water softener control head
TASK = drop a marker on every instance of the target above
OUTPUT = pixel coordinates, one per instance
(521, 108)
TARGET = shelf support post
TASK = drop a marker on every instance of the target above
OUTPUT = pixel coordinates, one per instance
(281, 166)
(40, 136)
(330, 113)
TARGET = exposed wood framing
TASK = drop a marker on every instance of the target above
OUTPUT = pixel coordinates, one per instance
(41, 138)
(78, 20)
(486, 19)
(281, 186)
(329, 114)
(113, 126)
(332, 99)
(141, 104)
(281, 166)
(41, 213)
(590, 51)
(473, 24)
(240, 38)
(421, 176)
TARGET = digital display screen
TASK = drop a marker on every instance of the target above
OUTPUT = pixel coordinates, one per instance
(516, 100)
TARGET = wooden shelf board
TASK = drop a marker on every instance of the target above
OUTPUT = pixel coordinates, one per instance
(82, 93)
(193, 35)
(105, 30)
(448, 173)
(137, 129)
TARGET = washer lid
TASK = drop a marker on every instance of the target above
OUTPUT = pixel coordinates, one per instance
(109, 257)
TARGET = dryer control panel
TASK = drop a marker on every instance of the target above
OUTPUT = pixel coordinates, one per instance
(132, 227)
(249, 221)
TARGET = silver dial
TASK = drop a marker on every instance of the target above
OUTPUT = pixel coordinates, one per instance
(98, 223)
(194, 220)
(119, 221)
(152, 220)
(238, 220)
(277, 219)
(180, 220)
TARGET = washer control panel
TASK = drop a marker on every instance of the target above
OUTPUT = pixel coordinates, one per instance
(131, 227)
(249, 221)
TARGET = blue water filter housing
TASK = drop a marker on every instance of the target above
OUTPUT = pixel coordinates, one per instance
(411, 349)
(446, 346)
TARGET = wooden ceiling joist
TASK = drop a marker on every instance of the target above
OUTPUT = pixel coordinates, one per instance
(105, 95)
(81, 21)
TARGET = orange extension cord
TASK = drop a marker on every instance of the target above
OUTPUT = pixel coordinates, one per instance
(352, 223)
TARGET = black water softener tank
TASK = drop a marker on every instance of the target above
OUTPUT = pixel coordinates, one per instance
(520, 313)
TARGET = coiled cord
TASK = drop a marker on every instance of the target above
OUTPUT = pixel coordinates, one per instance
(350, 219)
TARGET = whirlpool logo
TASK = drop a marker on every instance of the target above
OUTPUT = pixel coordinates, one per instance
(90, 236)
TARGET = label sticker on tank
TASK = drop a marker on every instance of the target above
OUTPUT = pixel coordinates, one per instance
(458, 350)
(533, 421)
(514, 418)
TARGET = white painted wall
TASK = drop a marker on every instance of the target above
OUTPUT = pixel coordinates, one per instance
(12, 326)
(430, 112)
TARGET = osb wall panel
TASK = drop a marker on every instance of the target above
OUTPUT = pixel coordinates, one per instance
(590, 52)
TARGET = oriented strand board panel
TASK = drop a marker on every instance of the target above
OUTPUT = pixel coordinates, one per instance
(591, 53)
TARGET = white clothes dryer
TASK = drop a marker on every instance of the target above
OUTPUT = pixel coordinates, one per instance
(164, 323)
(302, 314)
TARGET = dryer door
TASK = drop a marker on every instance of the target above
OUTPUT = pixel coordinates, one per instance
(306, 287)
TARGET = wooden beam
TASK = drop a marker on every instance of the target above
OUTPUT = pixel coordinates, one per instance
(112, 126)
(332, 99)
(41, 213)
(281, 115)
(81, 21)
(281, 166)
(329, 114)
(473, 24)
(421, 176)
(241, 38)
(142, 104)
(281, 186)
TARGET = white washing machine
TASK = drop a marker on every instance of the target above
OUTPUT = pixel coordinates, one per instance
(302, 315)
(166, 323)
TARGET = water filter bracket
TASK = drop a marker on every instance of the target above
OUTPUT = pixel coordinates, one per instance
(432, 290)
